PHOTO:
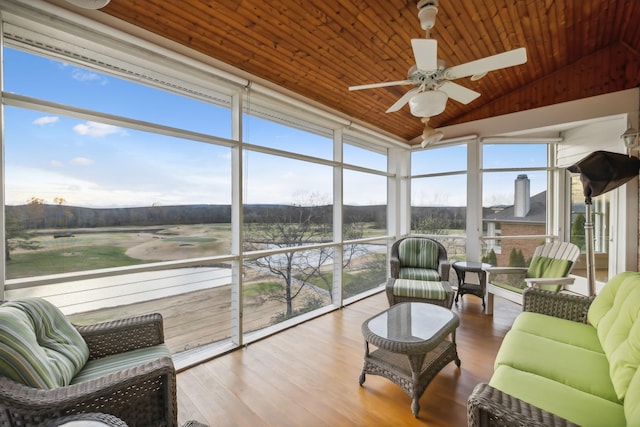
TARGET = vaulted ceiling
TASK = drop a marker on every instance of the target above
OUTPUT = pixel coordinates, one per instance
(575, 48)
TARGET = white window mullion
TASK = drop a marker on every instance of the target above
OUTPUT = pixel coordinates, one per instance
(3, 236)
(236, 220)
(474, 201)
(338, 218)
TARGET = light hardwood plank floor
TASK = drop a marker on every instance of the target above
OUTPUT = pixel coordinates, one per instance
(308, 375)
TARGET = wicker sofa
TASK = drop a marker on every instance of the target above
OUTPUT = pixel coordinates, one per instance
(50, 368)
(567, 360)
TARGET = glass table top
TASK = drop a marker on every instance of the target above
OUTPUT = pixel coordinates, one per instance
(470, 265)
(411, 322)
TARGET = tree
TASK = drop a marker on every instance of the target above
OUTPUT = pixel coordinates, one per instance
(295, 226)
(60, 212)
(13, 230)
(35, 213)
(490, 258)
(432, 225)
(516, 258)
(577, 231)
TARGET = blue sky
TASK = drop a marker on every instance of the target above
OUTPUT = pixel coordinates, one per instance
(98, 165)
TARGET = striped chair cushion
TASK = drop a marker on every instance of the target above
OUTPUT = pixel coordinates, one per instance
(421, 253)
(117, 362)
(39, 347)
(419, 289)
(414, 273)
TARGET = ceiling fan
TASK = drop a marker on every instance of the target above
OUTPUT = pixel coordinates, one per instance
(90, 4)
(432, 77)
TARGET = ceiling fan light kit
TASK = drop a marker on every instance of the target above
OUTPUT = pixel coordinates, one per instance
(429, 135)
(429, 138)
(428, 104)
(90, 4)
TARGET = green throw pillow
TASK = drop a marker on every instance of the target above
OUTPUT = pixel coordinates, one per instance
(548, 268)
(39, 347)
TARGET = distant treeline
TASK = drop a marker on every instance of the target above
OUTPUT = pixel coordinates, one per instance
(40, 216)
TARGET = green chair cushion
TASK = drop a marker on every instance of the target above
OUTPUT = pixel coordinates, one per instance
(574, 333)
(516, 289)
(418, 252)
(413, 273)
(632, 401)
(615, 314)
(39, 347)
(545, 267)
(419, 289)
(575, 367)
(582, 408)
(117, 362)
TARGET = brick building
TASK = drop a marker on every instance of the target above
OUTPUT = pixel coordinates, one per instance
(527, 216)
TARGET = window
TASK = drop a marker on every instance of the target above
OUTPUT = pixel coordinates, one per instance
(279, 287)
(65, 83)
(283, 136)
(365, 205)
(365, 267)
(365, 216)
(82, 195)
(118, 195)
(514, 202)
(439, 160)
(600, 217)
(439, 197)
(356, 155)
(288, 202)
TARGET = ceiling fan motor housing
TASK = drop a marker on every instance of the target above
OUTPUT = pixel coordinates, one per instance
(427, 11)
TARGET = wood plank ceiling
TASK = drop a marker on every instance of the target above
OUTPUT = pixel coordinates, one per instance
(575, 48)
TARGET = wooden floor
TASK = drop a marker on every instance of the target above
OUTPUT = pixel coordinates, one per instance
(308, 375)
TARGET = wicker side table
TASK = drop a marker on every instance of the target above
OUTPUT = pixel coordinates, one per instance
(480, 268)
(411, 346)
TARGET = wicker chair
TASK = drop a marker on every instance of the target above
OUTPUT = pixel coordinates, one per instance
(510, 282)
(419, 267)
(490, 407)
(142, 394)
(423, 266)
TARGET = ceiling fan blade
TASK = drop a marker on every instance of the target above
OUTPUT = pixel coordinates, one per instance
(490, 63)
(425, 52)
(403, 100)
(384, 84)
(458, 92)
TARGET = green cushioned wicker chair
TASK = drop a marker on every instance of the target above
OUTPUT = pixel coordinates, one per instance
(419, 272)
(419, 258)
(549, 269)
(50, 368)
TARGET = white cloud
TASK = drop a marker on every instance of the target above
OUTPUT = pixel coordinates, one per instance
(46, 120)
(97, 130)
(81, 161)
(56, 163)
(87, 76)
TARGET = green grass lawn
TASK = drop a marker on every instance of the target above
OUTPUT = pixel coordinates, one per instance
(63, 261)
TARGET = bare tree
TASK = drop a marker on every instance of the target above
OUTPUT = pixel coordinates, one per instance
(35, 213)
(295, 226)
(13, 230)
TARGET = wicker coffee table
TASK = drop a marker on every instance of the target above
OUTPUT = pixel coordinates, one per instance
(411, 346)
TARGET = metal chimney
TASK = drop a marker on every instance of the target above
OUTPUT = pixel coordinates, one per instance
(522, 202)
